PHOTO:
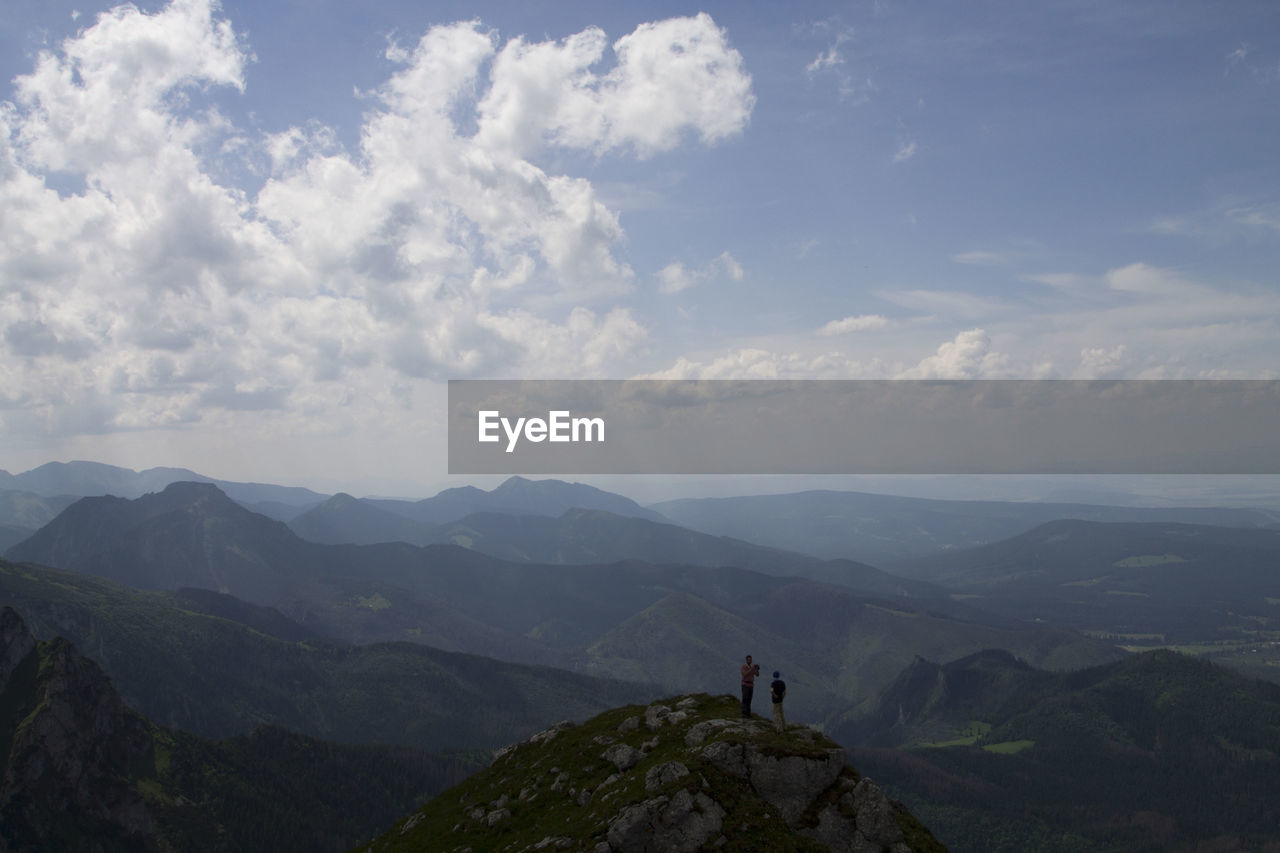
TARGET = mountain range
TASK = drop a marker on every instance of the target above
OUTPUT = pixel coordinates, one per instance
(634, 620)
(1159, 751)
(882, 529)
(84, 479)
(1176, 583)
(870, 528)
(977, 679)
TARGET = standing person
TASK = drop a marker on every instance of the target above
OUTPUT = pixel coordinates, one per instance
(777, 692)
(749, 672)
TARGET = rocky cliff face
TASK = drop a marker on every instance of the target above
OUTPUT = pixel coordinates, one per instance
(686, 774)
(71, 745)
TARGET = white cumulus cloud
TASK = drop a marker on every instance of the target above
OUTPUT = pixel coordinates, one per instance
(967, 356)
(157, 291)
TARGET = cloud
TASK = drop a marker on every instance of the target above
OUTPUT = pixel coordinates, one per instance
(160, 293)
(755, 363)
(728, 265)
(967, 356)
(858, 323)
(1257, 215)
(906, 150)
(827, 60)
(676, 277)
(671, 77)
(1103, 363)
(832, 62)
(1147, 280)
(1230, 218)
(1062, 280)
(1135, 321)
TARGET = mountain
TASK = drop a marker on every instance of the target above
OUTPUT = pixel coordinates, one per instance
(684, 774)
(343, 519)
(880, 529)
(11, 535)
(1175, 583)
(456, 599)
(213, 665)
(88, 479)
(1159, 751)
(23, 513)
(584, 536)
(133, 542)
(82, 772)
(29, 510)
(515, 496)
(930, 703)
(686, 642)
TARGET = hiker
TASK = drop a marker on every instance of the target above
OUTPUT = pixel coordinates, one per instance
(749, 672)
(777, 692)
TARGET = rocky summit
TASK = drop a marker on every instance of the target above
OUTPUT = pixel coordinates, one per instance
(683, 774)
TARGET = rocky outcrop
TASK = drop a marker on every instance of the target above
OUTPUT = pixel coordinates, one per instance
(685, 774)
(16, 643)
(682, 823)
(72, 744)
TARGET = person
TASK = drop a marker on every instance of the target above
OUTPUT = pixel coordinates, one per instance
(777, 692)
(749, 672)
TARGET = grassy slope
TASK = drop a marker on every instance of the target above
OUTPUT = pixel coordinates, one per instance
(560, 787)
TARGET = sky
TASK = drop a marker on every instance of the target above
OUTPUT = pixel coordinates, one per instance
(255, 239)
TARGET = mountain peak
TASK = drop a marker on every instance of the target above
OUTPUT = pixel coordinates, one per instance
(686, 773)
(190, 491)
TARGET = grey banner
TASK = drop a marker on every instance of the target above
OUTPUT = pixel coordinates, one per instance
(557, 427)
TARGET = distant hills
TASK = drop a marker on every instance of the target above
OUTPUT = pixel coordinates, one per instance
(1181, 583)
(1159, 751)
(627, 619)
(346, 520)
(867, 528)
(880, 529)
(584, 536)
(83, 772)
(516, 496)
(473, 518)
(363, 521)
(94, 478)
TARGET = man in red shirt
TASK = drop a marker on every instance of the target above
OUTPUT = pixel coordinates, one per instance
(749, 672)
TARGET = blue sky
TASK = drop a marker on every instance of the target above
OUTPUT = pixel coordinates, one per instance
(254, 239)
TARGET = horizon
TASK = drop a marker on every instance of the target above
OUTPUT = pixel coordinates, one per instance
(1260, 491)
